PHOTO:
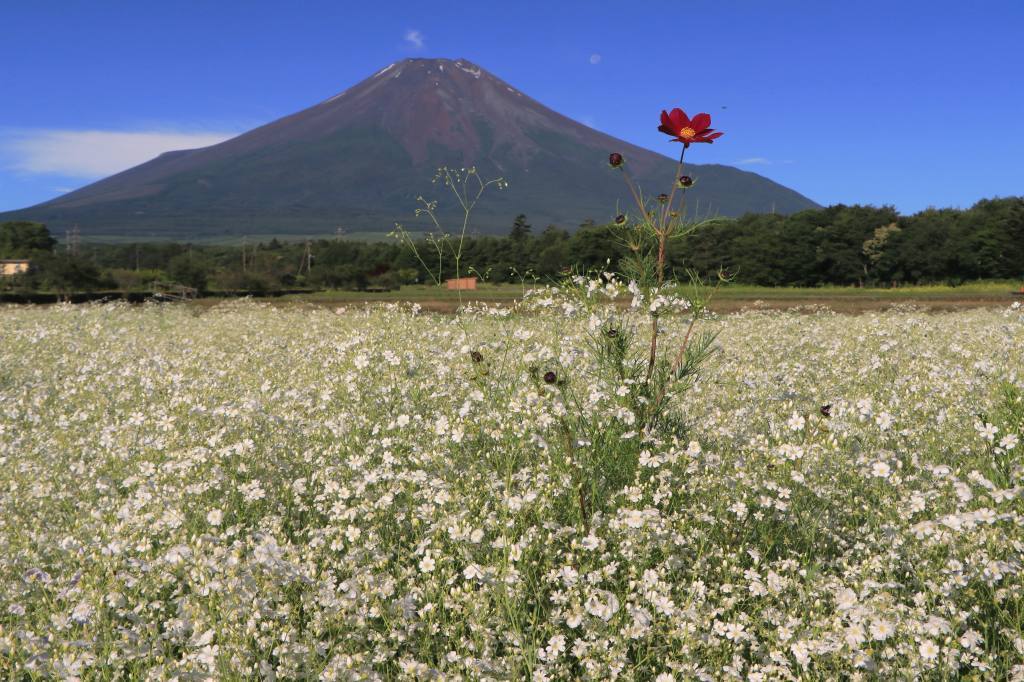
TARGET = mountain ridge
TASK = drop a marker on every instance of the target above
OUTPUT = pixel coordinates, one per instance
(360, 158)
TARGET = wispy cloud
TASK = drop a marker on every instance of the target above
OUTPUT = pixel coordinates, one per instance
(414, 38)
(595, 58)
(760, 161)
(93, 153)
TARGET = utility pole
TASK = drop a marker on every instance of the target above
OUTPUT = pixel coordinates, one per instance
(136, 258)
(245, 243)
(307, 259)
(74, 240)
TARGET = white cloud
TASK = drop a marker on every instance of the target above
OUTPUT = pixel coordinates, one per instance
(414, 38)
(595, 58)
(93, 153)
(753, 161)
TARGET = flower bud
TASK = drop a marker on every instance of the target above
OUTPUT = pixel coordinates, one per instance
(550, 377)
(685, 181)
(662, 198)
(620, 219)
(476, 356)
(615, 160)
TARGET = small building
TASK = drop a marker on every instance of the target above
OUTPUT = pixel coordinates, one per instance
(9, 267)
(462, 283)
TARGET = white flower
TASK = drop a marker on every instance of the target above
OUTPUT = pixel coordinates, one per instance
(796, 422)
(971, 639)
(846, 599)
(987, 431)
(207, 656)
(267, 552)
(800, 653)
(472, 572)
(602, 604)
(928, 650)
(214, 517)
(1009, 441)
(665, 677)
(82, 613)
(427, 563)
(733, 631)
(634, 518)
(881, 630)
(880, 469)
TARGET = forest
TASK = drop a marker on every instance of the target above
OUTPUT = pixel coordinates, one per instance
(838, 245)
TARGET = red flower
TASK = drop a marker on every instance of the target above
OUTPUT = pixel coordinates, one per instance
(686, 130)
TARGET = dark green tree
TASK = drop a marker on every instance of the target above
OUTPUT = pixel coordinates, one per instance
(520, 229)
(24, 239)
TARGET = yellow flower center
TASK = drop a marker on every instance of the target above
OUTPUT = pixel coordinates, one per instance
(687, 133)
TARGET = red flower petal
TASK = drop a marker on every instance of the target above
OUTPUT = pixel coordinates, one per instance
(665, 120)
(715, 136)
(700, 122)
(679, 119)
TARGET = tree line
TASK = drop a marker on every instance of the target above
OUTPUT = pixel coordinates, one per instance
(837, 245)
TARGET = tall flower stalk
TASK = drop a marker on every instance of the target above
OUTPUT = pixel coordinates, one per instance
(663, 220)
(467, 187)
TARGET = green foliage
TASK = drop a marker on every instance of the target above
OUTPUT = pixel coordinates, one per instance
(66, 274)
(136, 280)
(838, 245)
(520, 229)
(188, 270)
(24, 240)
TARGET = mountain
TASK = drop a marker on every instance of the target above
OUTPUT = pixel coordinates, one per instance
(360, 159)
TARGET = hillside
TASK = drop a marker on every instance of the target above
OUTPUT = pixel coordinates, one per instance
(360, 159)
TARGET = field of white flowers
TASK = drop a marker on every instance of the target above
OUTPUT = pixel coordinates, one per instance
(251, 492)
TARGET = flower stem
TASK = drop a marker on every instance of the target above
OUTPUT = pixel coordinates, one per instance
(663, 231)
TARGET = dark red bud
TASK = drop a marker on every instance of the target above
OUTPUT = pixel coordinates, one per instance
(685, 181)
(550, 377)
(615, 160)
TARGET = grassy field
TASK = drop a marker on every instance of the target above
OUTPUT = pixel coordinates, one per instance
(239, 239)
(252, 491)
(729, 298)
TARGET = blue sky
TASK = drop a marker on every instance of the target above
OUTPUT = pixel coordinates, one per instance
(907, 103)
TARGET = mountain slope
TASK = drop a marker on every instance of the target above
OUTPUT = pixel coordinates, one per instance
(360, 159)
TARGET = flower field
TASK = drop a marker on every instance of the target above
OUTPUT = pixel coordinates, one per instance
(258, 492)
